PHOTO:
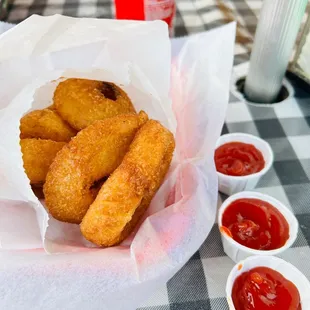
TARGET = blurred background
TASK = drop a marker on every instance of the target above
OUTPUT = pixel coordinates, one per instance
(191, 16)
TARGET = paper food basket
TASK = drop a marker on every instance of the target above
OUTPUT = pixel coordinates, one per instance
(47, 264)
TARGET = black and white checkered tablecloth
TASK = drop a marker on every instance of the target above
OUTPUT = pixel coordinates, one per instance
(200, 285)
(192, 16)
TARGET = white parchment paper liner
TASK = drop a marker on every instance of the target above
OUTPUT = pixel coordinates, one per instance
(137, 57)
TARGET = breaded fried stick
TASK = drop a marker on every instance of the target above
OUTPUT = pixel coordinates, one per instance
(45, 124)
(38, 155)
(94, 153)
(80, 102)
(127, 193)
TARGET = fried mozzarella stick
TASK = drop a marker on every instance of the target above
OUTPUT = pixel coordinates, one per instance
(81, 102)
(127, 193)
(45, 124)
(93, 154)
(38, 155)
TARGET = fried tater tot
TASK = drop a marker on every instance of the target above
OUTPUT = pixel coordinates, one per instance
(94, 153)
(45, 124)
(38, 155)
(81, 102)
(127, 193)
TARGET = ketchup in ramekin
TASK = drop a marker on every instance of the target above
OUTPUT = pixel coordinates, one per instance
(238, 159)
(262, 288)
(255, 224)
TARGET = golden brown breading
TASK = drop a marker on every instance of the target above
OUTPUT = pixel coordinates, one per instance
(91, 155)
(127, 193)
(81, 102)
(38, 155)
(45, 124)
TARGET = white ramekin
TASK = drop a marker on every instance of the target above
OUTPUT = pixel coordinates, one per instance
(233, 184)
(289, 271)
(235, 250)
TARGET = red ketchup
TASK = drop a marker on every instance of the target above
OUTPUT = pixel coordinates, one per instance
(255, 224)
(262, 288)
(238, 159)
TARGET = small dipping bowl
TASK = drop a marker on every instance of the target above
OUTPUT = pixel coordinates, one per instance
(288, 271)
(237, 251)
(229, 184)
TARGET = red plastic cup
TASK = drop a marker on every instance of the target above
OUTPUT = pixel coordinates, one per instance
(147, 10)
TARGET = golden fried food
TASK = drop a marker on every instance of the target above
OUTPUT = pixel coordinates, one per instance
(38, 155)
(51, 107)
(80, 102)
(45, 124)
(127, 193)
(94, 153)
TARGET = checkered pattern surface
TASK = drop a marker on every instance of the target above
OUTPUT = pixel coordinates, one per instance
(192, 16)
(200, 284)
